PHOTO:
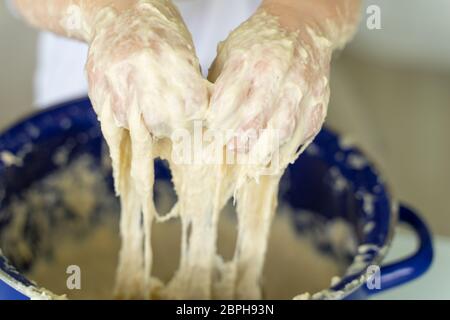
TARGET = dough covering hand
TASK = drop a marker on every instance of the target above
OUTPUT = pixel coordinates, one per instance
(144, 58)
(269, 78)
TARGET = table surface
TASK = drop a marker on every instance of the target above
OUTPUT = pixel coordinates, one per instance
(435, 283)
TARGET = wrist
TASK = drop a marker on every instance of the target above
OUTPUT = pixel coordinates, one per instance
(133, 9)
(94, 16)
(74, 18)
(335, 21)
(293, 15)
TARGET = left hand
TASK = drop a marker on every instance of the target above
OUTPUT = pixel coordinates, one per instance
(267, 77)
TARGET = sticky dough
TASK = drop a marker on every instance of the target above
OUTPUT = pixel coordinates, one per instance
(203, 190)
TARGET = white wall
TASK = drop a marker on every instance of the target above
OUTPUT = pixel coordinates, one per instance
(17, 60)
(415, 33)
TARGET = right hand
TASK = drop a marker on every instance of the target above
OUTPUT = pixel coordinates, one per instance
(144, 58)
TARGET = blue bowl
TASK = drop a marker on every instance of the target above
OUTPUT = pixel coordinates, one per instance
(331, 179)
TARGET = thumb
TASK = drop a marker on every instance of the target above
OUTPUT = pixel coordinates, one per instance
(217, 66)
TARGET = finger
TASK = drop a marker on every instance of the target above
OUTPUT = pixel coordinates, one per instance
(298, 121)
(168, 99)
(243, 98)
(280, 130)
(217, 66)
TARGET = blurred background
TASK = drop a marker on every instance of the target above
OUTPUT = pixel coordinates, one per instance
(390, 94)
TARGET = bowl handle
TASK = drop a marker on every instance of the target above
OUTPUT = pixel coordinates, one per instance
(412, 267)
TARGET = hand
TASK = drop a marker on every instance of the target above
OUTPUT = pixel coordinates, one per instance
(143, 60)
(144, 83)
(269, 78)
